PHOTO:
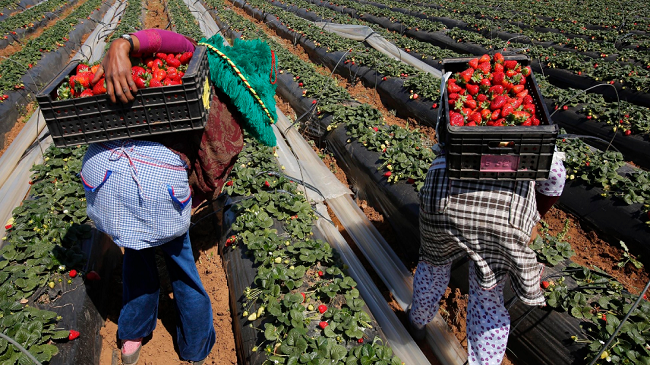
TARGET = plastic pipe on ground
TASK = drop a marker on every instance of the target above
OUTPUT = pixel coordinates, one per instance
(208, 26)
(366, 34)
(398, 337)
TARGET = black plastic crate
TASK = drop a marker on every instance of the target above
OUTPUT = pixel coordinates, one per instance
(498, 153)
(154, 111)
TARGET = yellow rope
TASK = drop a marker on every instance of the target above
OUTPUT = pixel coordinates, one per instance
(248, 86)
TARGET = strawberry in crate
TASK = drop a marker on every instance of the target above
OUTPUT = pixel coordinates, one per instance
(491, 92)
(158, 70)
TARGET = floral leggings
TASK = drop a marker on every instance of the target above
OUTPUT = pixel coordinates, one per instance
(488, 320)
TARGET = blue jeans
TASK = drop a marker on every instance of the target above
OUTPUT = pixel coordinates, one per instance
(194, 327)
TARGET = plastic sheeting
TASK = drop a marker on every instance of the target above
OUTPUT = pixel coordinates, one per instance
(14, 167)
(363, 33)
(398, 337)
(208, 26)
(312, 166)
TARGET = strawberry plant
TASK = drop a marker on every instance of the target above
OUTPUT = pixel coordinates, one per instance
(42, 242)
(129, 22)
(309, 307)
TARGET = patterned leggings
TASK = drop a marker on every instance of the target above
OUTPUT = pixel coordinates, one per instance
(488, 321)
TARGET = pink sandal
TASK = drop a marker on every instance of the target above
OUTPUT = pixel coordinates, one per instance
(131, 351)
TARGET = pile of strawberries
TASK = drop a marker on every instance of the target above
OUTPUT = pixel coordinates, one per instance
(159, 70)
(491, 92)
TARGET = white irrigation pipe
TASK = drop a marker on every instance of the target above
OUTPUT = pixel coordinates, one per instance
(14, 167)
(366, 34)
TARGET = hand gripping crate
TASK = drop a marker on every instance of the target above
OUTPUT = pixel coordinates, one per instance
(498, 153)
(154, 111)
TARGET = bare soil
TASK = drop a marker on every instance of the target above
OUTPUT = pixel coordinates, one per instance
(20, 124)
(160, 348)
(156, 16)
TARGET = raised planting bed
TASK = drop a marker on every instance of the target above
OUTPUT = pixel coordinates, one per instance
(53, 262)
(290, 297)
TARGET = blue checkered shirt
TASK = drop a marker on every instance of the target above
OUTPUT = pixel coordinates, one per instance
(137, 192)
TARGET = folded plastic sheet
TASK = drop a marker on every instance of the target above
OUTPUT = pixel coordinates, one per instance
(206, 23)
(364, 33)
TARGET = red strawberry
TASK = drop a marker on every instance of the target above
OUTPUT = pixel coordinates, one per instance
(155, 83)
(322, 308)
(161, 56)
(137, 71)
(86, 93)
(498, 67)
(466, 75)
(604, 317)
(142, 80)
(522, 94)
(486, 114)
(156, 64)
(229, 183)
(470, 103)
(481, 98)
(453, 87)
(496, 89)
(81, 68)
(627, 132)
(484, 67)
(387, 173)
(474, 117)
(185, 58)
(472, 89)
(528, 99)
(498, 77)
(511, 73)
(535, 121)
(100, 87)
(159, 74)
(172, 61)
(323, 324)
(484, 58)
(473, 63)
(495, 114)
(518, 117)
(304, 297)
(529, 108)
(93, 276)
(565, 107)
(266, 184)
(320, 273)
(485, 84)
(528, 122)
(516, 102)
(498, 58)
(498, 102)
(506, 110)
(73, 273)
(167, 82)
(360, 340)
(510, 65)
(526, 71)
(456, 119)
(517, 89)
(73, 335)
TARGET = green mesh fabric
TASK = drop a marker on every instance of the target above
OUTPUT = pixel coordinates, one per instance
(253, 59)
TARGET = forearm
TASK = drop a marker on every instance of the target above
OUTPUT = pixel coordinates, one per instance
(158, 40)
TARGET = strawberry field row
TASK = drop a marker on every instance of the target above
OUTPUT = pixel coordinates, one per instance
(26, 18)
(595, 15)
(32, 51)
(482, 17)
(624, 76)
(624, 117)
(131, 21)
